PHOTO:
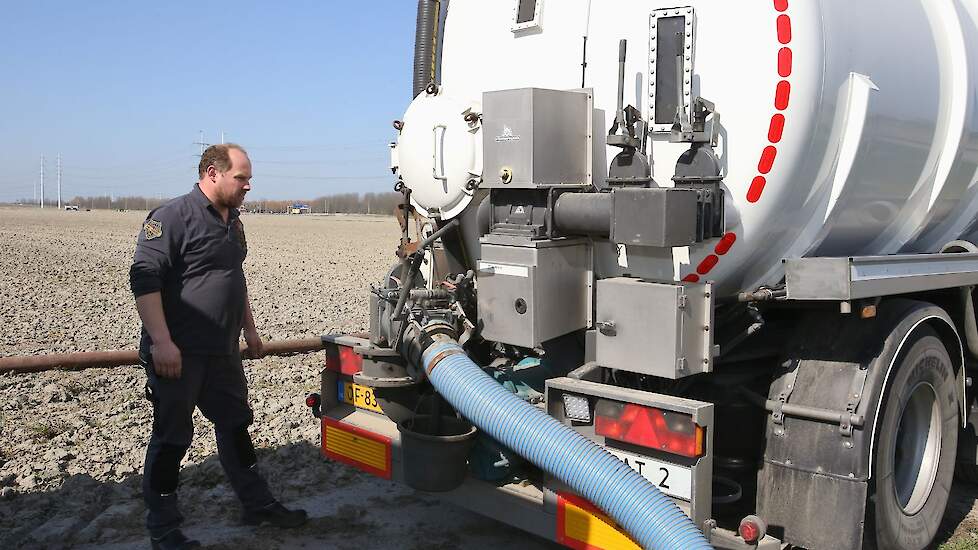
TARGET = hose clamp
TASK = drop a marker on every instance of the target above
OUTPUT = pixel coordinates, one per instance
(436, 360)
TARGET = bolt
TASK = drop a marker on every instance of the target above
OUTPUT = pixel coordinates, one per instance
(432, 89)
(398, 125)
(506, 175)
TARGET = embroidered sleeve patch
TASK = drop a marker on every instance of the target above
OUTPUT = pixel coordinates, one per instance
(152, 229)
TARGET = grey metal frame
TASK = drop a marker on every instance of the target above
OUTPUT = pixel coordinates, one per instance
(854, 278)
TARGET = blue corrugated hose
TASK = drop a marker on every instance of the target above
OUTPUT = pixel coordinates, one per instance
(652, 519)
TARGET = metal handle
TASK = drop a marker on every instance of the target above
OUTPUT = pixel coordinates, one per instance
(607, 328)
(438, 155)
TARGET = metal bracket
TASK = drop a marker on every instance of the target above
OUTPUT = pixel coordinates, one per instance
(855, 396)
(777, 415)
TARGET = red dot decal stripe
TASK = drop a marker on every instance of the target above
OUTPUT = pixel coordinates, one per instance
(782, 99)
(784, 62)
(784, 29)
(783, 95)
(777, 129)
(756, 189)
(708, 264)
(767, 159)
(725, 244)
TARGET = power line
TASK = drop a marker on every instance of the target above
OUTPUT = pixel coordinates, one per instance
(202, 144)
(42, 181)
(59, 181)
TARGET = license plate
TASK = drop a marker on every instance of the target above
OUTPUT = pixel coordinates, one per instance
(675, 481)
(359, 396)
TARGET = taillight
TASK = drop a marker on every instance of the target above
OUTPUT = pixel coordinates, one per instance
(649, 427)
(343, 359)
(314, 402)
(752, 529)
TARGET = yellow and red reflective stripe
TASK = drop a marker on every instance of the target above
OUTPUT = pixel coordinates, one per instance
(357, 447)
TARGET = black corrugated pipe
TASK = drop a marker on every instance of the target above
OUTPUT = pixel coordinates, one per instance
(426, 44)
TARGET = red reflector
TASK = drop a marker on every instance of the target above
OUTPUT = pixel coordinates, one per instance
(312, 400)
(648, 427)
(343, 359)
(750, 532)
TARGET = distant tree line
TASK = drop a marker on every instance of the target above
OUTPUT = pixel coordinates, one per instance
(101, 202)
(346, 203)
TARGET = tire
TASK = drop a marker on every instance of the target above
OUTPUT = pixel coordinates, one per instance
(916, 443)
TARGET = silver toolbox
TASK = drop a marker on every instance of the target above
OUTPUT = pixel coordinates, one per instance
(533, 291)
(536, 138)
(659, 329)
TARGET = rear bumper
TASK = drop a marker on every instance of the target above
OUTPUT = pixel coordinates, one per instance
(533, 507)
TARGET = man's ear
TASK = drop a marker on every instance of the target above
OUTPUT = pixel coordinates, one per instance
(212, 172)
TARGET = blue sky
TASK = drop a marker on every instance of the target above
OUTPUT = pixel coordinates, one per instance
(122, 89)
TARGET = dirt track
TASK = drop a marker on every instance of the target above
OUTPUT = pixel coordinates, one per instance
(71, 444)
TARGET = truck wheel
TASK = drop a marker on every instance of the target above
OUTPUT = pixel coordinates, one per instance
(914, 454)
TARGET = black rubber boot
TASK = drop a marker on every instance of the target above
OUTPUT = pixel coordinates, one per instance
(275, 514)
(174, 540)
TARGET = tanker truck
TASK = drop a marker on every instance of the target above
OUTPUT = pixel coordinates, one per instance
(618, 319)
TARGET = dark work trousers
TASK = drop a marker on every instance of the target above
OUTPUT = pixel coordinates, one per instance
(216, 385)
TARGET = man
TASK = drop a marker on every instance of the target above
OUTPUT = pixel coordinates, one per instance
(192, 298)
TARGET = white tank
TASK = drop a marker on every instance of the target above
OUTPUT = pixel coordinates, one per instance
(848, 127)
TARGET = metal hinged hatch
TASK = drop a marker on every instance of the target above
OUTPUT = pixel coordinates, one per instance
(659, 329)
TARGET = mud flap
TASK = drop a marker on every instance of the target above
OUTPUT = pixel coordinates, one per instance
(789, 494)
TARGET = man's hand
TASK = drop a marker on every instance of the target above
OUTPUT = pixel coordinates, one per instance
(256, 349)
(167, 360)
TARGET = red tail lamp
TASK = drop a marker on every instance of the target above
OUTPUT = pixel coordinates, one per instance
(343, 359)
(649, 427)
(752, 529)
